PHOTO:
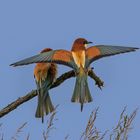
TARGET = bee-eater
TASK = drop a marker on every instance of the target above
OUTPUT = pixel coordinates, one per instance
(79, 58)
(45, 75)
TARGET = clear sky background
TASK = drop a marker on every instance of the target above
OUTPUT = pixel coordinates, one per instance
(26, 27)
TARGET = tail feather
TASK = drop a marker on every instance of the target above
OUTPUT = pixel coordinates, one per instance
(40, 107)
(45, 105)
(48, 106)
(81, 91)
(82, 105)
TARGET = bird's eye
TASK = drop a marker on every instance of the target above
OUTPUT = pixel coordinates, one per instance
(85, 42)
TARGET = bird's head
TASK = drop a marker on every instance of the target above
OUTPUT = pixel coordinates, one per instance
(46, 50)
(80, 43)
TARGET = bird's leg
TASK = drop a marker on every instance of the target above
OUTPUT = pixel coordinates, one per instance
(91, 73)
(77, 72)
(86, 70)
(98, 81)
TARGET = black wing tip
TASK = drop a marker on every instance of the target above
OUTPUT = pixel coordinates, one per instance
(16, 64)
(136, 48)
(133, 49)
(12, 65)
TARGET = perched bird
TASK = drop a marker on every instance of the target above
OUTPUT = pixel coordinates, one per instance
(45, 75)
(79, 58)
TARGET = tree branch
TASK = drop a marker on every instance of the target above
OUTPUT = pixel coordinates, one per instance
(33, 93)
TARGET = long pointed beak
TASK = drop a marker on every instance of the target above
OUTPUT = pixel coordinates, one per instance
(89, 42)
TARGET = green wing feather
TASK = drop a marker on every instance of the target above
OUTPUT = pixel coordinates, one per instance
(57, 56)
(105, 51)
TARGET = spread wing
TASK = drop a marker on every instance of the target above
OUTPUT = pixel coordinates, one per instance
(96, 52)
(56, 56)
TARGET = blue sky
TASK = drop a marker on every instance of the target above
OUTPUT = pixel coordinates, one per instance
(28, 26)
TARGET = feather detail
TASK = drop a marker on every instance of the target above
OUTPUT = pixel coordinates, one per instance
(40, 71)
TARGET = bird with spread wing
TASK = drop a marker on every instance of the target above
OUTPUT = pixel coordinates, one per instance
(79, 58)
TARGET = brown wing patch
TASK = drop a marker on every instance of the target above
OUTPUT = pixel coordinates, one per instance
(52, 72)
(62, 55)
(40, 71)
(46, 50)
(92, 52)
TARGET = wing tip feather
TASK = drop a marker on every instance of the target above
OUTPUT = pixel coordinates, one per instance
(136, 48)
(13, 65)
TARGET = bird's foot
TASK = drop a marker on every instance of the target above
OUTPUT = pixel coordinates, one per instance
(98, 81)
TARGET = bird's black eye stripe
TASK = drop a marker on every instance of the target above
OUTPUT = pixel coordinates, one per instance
(85, 42)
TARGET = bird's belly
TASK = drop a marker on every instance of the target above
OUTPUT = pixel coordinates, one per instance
(79, 58)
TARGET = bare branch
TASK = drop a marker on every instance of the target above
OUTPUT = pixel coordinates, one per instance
(97, 80)
(17, 102)
(33, 93)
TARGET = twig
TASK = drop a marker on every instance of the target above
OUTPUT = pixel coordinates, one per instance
(1, 134)
(91, 132)
(17, 102)
(33, 93)
(50, 124)
(28, 136)
(66, 137)
(19, 130)
(120, 132)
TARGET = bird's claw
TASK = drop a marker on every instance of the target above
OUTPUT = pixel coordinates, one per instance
(99, 83)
